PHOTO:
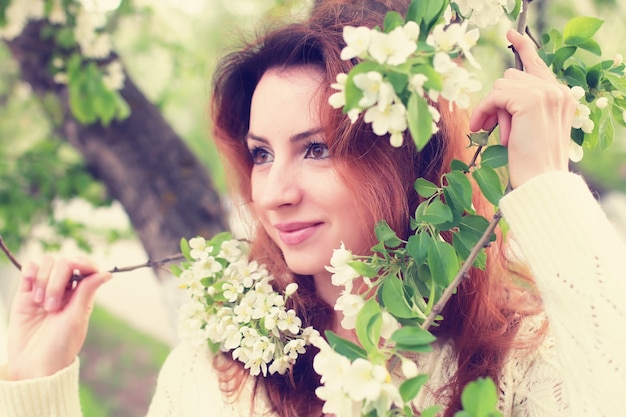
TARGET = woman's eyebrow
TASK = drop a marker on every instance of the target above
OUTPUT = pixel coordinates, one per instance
(295, 138)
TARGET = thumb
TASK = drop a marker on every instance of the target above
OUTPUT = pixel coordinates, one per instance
(85, 291)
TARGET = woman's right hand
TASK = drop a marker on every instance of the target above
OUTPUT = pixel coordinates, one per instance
(49, 319)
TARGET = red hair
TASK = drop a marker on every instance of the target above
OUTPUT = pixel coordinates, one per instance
(481, 320)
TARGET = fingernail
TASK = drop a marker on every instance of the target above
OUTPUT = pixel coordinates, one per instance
(51, 304)
(38, 296)
(107, 277)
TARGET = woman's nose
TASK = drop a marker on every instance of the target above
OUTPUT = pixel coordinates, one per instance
(279, 186)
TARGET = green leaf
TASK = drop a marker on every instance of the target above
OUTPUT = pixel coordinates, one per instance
(394, 300)
(217, 240)
(386, 235)
(433, 212)
(480, 398)
(363, 269)
(185, 249)
(489, 183)
(420, 120)
(412, 338)
(431, 411)
(393, 19)
(593, 76)
(591, 46)
(459, 189)
(494, 156)
(434, 81)
(619, 82)
(457, 165)
(606, 128)
(575, 76)
(345, 347)
(418, 245)
(409, 388)
(398, 80)
(442, 262)
(470, 231)
(560, 56)
(369, 322)
(580, 29)
(425, 188)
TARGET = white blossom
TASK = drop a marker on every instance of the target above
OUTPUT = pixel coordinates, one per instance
(602, 102)
(350, 305)
(409, 368)
(390, 325)
(17, 14)
(375, 89)
(365, 380)
(342, 273)
(581, 114)
(391, 119)
(392, 48)
(575, 151)
(357, 42)
(483, 13)
(57, 13)
(338, 99)
(236, 309)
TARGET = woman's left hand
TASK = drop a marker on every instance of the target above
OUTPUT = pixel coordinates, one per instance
(534, 113)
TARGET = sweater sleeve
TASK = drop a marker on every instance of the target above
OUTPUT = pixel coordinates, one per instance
(52, 396)
(578, 262)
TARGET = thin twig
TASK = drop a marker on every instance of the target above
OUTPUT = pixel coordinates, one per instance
(463, 272)
(77, 277)
(6, 250)
(522, 24)
(149, 264)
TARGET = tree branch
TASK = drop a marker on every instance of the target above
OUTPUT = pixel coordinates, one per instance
(76, 277)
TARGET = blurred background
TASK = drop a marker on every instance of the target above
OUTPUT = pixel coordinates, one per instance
(126, 191)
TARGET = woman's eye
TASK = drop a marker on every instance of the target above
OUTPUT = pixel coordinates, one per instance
(260, 156)
(317, 151)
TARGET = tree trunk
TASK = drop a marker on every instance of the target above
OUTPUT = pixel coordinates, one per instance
(144, 164)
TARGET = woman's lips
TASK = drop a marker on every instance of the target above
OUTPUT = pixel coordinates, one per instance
(295, 233)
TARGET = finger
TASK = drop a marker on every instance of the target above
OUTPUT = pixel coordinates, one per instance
(60, 276)
(504, 124)
(527, 51)
(29, 276)
(43, 274)
(85, 292)
(485, 114)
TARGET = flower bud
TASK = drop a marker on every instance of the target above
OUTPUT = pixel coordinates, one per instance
(291, 288)
(409, 368)
(617, 60)
(577, 92)
(602, 102)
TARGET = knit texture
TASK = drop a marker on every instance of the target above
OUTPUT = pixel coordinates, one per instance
(577, 260)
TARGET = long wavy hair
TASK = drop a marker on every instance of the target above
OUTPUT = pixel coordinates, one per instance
(481, 320)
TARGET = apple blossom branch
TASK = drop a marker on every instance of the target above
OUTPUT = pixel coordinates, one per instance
(77, 277)
(483, 242)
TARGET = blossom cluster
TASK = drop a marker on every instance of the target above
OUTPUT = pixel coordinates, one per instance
(88, 32)
(484, 13)
(383, 107)
(353, 388)
(234, 307)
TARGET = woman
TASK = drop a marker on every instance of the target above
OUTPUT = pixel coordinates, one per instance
(313, 180)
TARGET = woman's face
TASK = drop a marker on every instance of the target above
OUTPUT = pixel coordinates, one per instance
(299, 199)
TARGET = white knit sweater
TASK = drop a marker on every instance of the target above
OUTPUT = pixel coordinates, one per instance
(579, 264)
